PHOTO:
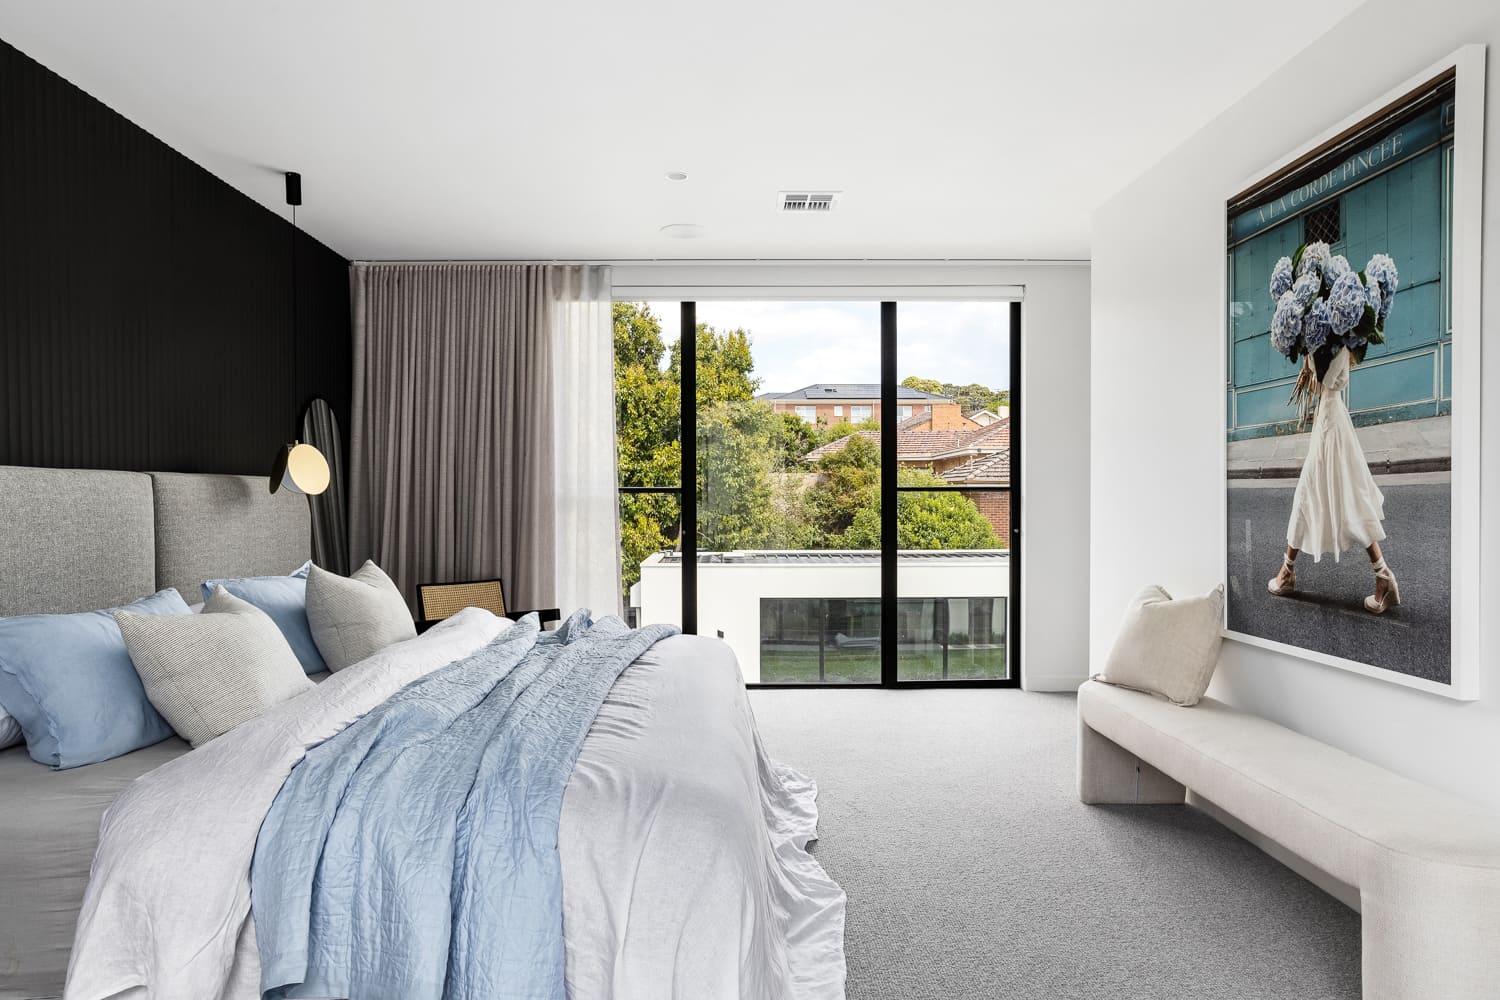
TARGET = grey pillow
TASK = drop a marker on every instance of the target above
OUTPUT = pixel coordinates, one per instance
(356, 616)
(1168, 646)
(209, 672)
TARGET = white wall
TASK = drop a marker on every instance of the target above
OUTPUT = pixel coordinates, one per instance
(1055, 476)
(1157, 390)
(1054, 421)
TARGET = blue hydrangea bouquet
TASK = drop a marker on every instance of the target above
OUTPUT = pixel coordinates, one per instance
(1322, 305)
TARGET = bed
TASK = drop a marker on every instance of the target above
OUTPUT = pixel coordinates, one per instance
(48, 833)
(682, 844)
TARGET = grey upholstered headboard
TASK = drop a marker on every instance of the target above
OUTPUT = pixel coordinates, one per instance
(215, 526)
(78, 539)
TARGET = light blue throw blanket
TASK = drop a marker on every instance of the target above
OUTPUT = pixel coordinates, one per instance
(414, 855)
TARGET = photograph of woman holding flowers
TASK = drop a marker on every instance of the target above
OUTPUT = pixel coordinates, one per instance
(1340, 400)
(1328, 316)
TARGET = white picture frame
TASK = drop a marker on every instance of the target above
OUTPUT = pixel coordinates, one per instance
(1468, 66)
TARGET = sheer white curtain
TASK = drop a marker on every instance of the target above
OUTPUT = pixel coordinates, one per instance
(586, 515)
(482, 439)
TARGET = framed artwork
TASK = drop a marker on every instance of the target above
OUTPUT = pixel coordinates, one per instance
(1352, 380)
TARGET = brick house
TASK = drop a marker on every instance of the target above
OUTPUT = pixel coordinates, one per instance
(974, 456)
(829, 403)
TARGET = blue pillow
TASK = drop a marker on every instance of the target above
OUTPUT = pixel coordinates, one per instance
(284, 598)
(69, 681)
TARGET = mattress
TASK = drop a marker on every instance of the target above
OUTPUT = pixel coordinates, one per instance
(46, 850)
(49, 827)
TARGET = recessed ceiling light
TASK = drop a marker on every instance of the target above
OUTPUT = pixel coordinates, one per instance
(676, 175)
(682, 231)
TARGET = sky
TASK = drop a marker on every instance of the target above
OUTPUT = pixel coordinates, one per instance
(799, 343)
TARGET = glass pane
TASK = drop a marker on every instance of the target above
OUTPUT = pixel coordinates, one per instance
(817, 640)
(951, 639)
(953, 578)
(953, 564)
(648, 419)
(650, 566)
(788, 487)
(648, 428)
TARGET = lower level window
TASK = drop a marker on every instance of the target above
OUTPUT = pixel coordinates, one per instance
(816, 640)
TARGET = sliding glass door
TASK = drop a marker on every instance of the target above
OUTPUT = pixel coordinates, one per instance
(788, 463)
(953, 493)
(852, 482)
(648, 449)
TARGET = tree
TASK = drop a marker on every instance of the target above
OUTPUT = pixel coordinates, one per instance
(829, 433)
(648, 437)
(848, 481)
(753, 485)
(793, 439)
(844, 505)
(936, 520)
(734, 475)
(744, 501)
(646, 401)
(971, 398)
(724, 366)
(649, 523)
(931, 385)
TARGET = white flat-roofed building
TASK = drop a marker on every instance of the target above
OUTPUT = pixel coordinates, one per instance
(814, 614)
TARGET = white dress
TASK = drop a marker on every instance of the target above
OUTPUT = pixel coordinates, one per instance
(1337, 505)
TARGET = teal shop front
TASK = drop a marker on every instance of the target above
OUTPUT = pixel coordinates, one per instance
(1392, 194)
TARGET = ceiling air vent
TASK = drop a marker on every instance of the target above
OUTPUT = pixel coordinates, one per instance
(806, 202)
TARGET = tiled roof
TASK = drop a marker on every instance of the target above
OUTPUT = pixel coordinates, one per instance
(837, 445)
(916, 445)
(929, 443)
(989, 468)
(833, 392)
(996, 435)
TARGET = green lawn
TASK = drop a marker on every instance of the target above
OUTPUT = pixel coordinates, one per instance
(862, 666)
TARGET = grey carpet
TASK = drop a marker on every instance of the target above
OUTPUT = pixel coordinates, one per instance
(951, 820)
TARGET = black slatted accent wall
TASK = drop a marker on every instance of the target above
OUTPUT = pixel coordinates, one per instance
(145, 305)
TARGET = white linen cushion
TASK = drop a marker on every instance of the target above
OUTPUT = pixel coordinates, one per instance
(1168, 646)
(208, 673)
(356, 616)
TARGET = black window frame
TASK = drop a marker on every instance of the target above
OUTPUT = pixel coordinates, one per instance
(889, 489)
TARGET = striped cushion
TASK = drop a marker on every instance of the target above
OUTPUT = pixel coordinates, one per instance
(209, 672)
(356, 616)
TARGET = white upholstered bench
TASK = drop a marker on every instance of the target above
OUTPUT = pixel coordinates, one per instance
(1426, 863)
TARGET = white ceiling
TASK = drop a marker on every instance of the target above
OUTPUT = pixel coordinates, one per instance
(487, 129)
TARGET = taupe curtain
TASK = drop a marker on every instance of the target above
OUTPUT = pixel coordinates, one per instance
(460, 450)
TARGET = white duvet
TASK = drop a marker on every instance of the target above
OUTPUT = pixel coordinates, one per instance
(685, 874)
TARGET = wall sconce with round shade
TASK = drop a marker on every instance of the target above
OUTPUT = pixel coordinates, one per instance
(298, 467)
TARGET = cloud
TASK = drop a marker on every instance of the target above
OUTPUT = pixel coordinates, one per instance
(799, 343)
(958, 342)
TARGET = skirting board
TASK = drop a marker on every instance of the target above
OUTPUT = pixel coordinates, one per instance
(1337, 888)
(1045, 683)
